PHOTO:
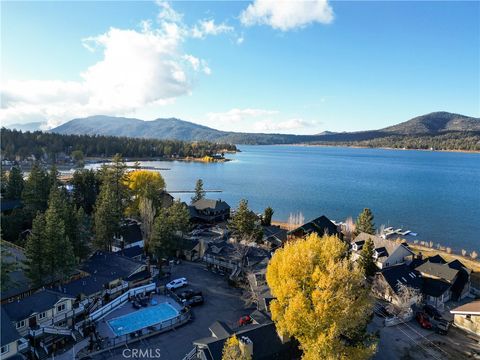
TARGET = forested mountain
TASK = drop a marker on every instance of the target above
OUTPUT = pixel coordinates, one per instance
(431, 124)
(17, 144)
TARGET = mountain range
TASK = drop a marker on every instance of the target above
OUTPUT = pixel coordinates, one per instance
(432, 124)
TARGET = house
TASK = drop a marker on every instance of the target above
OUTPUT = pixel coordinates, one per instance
(386, 253)
(115, 272)
(467, 317)
(259, 288)
(274, 236)
(11, 341)
(388, 282)
(209, 211)
(43, 307)
(166, 200)
(259, 340)
(234, 259)
(189, 249)
(321, 225)
(132, 252)
(438, 280)
(130, 235)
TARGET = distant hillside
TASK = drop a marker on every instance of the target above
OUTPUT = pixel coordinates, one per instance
(171, 128)
(435, 122)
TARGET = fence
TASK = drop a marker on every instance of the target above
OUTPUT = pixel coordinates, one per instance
(100, 313)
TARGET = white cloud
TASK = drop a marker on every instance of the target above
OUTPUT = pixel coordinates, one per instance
(138, 68)
(291, 124)
(238, 115)
(208, 27)
(167, 13)
(287, 15)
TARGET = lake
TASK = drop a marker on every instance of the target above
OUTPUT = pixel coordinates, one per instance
(435, 194)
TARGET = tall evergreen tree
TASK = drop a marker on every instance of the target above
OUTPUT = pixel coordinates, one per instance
(199, 192)
(53, 176)
(81, 247)
(15, 184)
(365, 223)
(244, 222)
(59, 250)
(7, 266)
(163, 238)
(106, 218)
(36, 190)
(267, 216)
(86, 187)
(366, 261)
(35, 251)
(115, 176)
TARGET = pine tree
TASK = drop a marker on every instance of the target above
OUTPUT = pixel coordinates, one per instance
(163, 235)
(106, 218)
(267, 216)
(35, 251)
(365, 223)
(53, 176)
(115, 176)
(60, 258)
(81, 247)
(7, 266)
(199, 192)
(15, 184)
(36, 190)
(244, 222)
(366, 261)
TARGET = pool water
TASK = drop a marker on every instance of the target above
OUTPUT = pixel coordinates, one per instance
(143, 318)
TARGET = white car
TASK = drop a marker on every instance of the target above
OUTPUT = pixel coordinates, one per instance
(177, 283)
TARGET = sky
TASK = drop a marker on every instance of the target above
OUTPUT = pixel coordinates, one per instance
(260, 66)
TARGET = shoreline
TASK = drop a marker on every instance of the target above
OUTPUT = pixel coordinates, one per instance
(384, 148)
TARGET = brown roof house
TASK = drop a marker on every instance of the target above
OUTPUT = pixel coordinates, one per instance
(467, 317)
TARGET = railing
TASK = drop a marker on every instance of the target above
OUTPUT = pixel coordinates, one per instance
(68, 314)
(117, 289)
(191, 355)
(50, 330)
(22, 344)
(103, 311)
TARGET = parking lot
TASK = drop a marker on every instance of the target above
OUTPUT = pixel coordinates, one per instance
(409, 341)
(222, 302)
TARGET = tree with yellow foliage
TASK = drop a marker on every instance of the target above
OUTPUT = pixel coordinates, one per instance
(147, 185)
(233, 351)
(321, 299)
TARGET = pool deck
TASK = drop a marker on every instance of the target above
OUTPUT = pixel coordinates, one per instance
(104, 328)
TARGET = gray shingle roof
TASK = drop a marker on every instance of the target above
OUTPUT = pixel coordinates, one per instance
(110, 265)
(9, 333)
(35, 303)
(217, 205)
(442, 271)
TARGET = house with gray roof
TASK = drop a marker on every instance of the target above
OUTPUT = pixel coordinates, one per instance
(209, 211)
(388, 282)
(386, 252)
(258, 340)
(12, 343)
(321, 226)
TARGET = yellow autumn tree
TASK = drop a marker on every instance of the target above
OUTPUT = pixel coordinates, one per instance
(233, 351)
(320, 299)
(144, 184)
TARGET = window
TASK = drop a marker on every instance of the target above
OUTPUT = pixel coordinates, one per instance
(468, 317)
(20, 324)
(4, 349)
(42, 315)
(60, 307)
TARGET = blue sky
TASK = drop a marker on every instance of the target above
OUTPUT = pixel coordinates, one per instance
(259, 66)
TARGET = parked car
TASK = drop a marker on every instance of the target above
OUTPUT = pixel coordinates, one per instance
(244, 320)
(194, 300)
(432, 312)
(177, 283)
(422, 319)
(189, 293)
(441, 326)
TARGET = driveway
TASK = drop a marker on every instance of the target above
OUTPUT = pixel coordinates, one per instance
(222, 302)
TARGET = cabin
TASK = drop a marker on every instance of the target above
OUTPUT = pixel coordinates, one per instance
(209, 211)
(467, 317)
(12, 343)
(274, 236)
(388, 282)
(258, 340)
(130, 235)
(321, 226)
(386, 252)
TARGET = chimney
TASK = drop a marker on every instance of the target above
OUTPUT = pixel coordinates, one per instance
(246, 346)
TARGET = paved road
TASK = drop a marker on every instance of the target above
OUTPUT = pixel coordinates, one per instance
(222, 302)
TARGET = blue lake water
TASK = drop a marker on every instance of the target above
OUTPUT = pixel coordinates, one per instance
(436, 194)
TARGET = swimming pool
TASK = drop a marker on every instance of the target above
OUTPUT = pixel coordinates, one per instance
(143, 318)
